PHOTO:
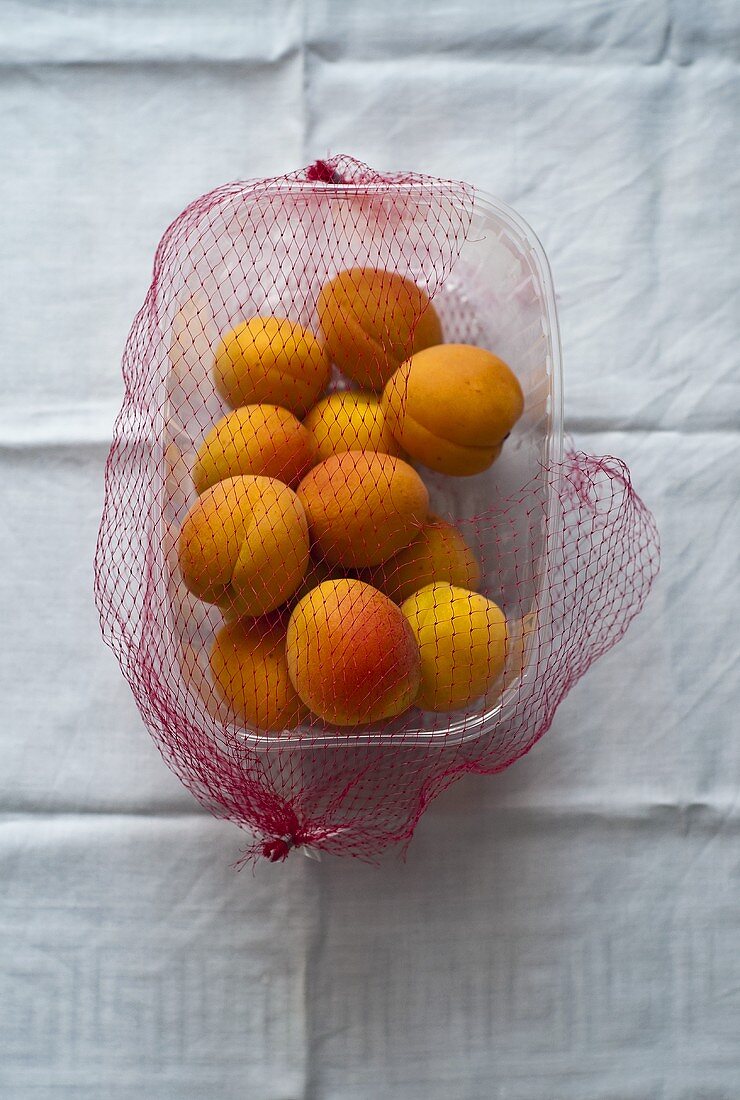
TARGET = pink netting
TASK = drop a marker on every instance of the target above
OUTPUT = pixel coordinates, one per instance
(336, 571)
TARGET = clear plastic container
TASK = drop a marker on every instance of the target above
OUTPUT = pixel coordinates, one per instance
(498, 295)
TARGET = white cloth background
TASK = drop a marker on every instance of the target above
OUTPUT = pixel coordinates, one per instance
(569, 930)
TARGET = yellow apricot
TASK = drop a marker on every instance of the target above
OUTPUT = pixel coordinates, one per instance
(271, 360)
(362, 507)
(350, 421)
(372, 320)
(255, 439)
(250, 675)
(462, 638)
(451, 407)
(351, 655)
(244, 545)
(438, 553)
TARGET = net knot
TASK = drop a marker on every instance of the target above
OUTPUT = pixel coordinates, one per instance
(321, 171)
(278, 849)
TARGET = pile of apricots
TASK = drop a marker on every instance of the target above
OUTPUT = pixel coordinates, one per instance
(343, 596)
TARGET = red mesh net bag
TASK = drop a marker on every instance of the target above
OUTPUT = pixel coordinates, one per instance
(343, 558)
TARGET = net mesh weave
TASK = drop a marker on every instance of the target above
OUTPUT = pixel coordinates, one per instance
(565, 548)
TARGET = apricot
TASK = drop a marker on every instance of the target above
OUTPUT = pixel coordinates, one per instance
(256, 439)
(250, 675)
(451, 407)
(350, 421)
(372, 320)
(362, 507)
(271, 360)
(244, 545)
(351, 654)
(438, 553)
(462, 638)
